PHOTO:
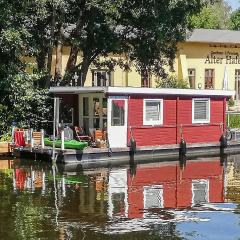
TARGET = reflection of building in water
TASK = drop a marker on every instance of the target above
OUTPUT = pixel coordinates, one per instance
(233, 179)
(165, 186)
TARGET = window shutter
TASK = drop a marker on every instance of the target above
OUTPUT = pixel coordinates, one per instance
(200, 109)
(152, 111)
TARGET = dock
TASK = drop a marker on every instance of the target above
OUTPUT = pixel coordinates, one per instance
(109, 156)
(5, 148)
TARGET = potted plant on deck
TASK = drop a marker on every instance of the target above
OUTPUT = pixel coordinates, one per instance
(231, 104)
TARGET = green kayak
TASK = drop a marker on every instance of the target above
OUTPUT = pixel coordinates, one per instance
(69, 144)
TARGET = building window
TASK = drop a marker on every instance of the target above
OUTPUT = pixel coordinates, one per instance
(237, 81)
(201, 110)
(101, 78)
(145, 78)
(192, 77)
(209, 78)
(200, 189)
(118, 112)
(152, 111)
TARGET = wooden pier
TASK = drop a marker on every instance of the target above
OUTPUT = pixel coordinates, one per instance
(108, 156)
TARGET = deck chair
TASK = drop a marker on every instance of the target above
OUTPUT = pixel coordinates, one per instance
(37, 138)
(19, 140)
(80, 135)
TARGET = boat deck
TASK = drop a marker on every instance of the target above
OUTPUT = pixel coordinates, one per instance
(93, 155)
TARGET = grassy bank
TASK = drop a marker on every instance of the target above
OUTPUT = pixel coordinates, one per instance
(234, 121)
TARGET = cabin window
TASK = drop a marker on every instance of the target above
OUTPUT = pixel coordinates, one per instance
(200, 110)
(101, 78)
(118, 112)
(85, 106)
(200, 189)
(152, 112)
(67, 114)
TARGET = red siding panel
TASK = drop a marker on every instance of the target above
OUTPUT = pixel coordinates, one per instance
(169, 132)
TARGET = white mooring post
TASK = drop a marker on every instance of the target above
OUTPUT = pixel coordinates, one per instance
(31, 138)
(42, 138)
(62, 140)
(55, 125)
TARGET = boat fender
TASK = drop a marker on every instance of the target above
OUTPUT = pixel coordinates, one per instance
(133, 145)
(183, 147)
(223, 141)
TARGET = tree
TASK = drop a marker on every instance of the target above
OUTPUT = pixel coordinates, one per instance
(146, 31)
(234, 22)
(22, 97)
(213, 16)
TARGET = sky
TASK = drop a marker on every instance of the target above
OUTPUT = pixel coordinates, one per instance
(234, 4)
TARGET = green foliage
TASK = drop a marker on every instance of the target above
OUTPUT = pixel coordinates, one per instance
(30, 104)
(234, 23)
(6, 137)
(234, 121)
(213, 16)
(146, 31)
(172, 82)
(231, 102)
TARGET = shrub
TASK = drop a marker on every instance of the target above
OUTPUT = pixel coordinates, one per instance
(234, 121)
(172, 82)
(231, 102)
(6, 137)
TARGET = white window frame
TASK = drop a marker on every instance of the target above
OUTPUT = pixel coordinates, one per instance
(108, 77)
(208, 113)
(151, 122)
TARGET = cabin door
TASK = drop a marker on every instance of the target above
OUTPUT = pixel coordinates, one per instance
(117, 121)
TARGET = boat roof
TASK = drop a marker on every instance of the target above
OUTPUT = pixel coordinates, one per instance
(120, 91)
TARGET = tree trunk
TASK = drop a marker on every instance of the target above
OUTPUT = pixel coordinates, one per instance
(72, 58)
(58, 67)
(41, 60)
(84, 68)
(50, 48)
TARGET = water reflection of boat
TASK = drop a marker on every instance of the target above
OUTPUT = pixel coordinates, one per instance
(165, 186)
(112, 200)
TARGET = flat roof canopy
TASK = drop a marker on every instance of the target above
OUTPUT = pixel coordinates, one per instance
(77, 90)
(119, 91)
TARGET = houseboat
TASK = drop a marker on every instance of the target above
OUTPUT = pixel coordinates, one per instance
(144, 122)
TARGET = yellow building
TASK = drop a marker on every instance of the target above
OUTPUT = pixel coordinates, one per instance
(203, 59)
(208, 55)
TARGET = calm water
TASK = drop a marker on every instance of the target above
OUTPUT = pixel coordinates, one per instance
(149, 201)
